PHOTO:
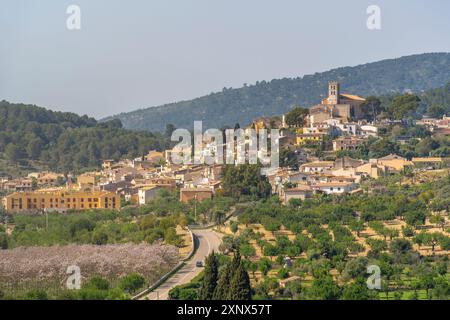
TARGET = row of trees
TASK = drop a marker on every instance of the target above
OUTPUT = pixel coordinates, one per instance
(92, 227)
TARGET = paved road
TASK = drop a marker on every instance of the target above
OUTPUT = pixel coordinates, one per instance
(208, 241)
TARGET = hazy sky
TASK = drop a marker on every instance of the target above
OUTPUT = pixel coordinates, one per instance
(134, 54)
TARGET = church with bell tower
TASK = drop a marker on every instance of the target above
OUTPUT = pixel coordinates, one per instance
(342, 106)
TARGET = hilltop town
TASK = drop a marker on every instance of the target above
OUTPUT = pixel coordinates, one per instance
(360, 180)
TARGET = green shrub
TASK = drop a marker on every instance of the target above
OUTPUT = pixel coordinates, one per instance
(132, 282)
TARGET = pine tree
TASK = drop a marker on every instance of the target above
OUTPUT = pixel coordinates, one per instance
(210, 276)
(240, 288)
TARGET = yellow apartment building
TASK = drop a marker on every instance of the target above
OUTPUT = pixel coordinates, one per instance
(309, 136)
(60, 200)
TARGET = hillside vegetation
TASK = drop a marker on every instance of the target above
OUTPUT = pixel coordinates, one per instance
(34, 137)
(411, 73)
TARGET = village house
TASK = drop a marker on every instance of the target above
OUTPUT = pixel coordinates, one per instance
(427, 162)
(87, 181)
(432, 123)
(368, 130)
(390, 164)
(22, 184)
(195, 194)
(394, 163)
(334, 187)
(318, 178)
(338, 128)
(310, 135)
(371, 169)
(107, 164)
(47, 178)
(267, 123)
(347, 167)
(347, 143)
(116, 186)
(147, 194)
(317, 167)
(301, 192)
(154, 156)
(285, 176)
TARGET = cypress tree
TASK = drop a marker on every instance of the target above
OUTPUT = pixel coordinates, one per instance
(222, 291)
(223, 284)
(240, 288)
(210, 276)
(236, 260)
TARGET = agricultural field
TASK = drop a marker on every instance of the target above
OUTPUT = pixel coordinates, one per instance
(44, 269)
(298, 251)
(111, 249)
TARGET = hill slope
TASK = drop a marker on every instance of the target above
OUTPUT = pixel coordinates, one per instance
(415, 73)
(33, 137)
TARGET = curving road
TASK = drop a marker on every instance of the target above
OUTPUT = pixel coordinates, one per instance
(208, 240)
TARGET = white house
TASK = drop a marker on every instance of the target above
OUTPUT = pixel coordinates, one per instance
(334, 187)
(317, 167)
(146, 194)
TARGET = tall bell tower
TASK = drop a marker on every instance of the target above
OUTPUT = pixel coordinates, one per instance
(333, 92)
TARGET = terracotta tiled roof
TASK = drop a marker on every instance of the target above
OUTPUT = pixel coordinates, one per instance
(352, 97)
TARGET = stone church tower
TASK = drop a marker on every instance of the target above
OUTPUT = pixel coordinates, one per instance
(333, 92)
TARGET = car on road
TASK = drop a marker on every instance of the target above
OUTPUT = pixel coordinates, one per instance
(199, 264)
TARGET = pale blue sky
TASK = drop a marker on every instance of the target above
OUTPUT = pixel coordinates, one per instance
(134, 54)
